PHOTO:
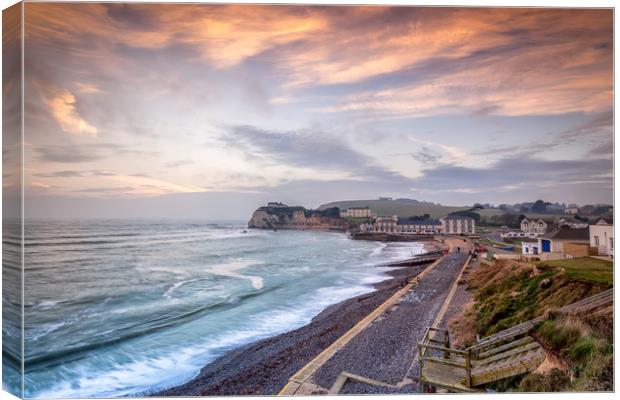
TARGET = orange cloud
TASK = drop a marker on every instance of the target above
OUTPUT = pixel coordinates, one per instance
(61, 105)
(514, 61)
(536, 60)
(88, 88)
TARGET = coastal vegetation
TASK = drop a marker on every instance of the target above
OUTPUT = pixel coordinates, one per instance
(404, 208)
(508, 292)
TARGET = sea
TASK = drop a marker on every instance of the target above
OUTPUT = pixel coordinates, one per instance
(126, 308)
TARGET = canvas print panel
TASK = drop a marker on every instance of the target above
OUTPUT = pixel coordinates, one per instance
(12, 272)
(297, 199)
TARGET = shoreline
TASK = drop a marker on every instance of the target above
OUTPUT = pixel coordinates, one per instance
(264, 367)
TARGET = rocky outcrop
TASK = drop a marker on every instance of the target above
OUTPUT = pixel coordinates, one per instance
(297, 217)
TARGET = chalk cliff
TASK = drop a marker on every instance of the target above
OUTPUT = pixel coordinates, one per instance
(297, 217)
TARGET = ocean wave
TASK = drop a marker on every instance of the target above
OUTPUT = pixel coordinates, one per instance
(46, 305)
(168, 293)
(379, 249)
(229, 269)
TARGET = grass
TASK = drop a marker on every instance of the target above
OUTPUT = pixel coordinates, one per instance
(490, 243)
(509, 292)
(587, 269)
(403, 209)
(587, 351)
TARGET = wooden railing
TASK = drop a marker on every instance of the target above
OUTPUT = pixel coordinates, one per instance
(437, 341)
(584, 305)
(462, 359)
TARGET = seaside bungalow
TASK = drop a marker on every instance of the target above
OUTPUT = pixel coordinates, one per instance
(457, 224)
(516, 234)
(530, 248)
(602, 237)
(565, 242)
(533, 227)
(357, 212)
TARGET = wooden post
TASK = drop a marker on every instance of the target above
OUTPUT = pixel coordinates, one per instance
(446, 342)
(420, 381)
(468, 367)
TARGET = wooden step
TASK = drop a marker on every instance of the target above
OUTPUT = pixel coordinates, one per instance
(586, 304)
(505, 347)
(527, 363)
(514, 353)
(592, 301)
(444, 376)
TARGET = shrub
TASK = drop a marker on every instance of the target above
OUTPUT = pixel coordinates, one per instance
(558, 337)
(555, 380)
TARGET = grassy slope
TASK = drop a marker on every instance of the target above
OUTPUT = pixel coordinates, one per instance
(508, 292)
(407, 209)
(394, 207)
(585, 269)
(494, 211)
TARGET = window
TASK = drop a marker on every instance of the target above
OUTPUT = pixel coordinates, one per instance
(596, 241)
(611, 243)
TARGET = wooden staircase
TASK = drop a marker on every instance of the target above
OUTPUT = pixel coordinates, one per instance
(505, 354)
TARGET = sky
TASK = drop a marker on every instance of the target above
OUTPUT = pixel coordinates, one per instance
(212, 110)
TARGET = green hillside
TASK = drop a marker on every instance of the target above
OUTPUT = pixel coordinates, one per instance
(402, 208)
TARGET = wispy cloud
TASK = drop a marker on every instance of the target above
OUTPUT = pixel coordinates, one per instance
(309, 148)
(180, 163)
(516, 172)
(88, 88)
(129, 89)
(61, 104)
(66, 154)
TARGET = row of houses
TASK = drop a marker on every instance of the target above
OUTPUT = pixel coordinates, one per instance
(357, 212)
(534, 228)
(595, 239)
(450, 225)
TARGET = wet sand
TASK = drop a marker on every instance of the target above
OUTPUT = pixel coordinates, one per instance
(264, 367)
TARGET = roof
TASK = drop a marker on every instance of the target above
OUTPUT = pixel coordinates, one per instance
(453, 216)
(605, 221)
(410, 221)
(537, 221)
(568, 234)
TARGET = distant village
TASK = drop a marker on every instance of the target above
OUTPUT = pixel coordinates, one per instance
(557, 231)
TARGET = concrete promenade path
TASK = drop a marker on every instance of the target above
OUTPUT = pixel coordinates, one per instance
(379, 354)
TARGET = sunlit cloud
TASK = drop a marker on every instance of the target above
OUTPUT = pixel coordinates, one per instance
(62, 106)
(88, 88)
(192, 97)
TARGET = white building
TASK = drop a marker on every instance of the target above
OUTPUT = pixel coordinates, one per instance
(516, 234)
(457, 224)
(571, 209)
(572, 223)
(357, 212)
(533, 227)
(385, 224)
(405, 226)
(530, 248)
(602, 237)
(417, 227)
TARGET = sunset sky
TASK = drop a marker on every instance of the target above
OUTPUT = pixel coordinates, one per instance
(211, 110)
